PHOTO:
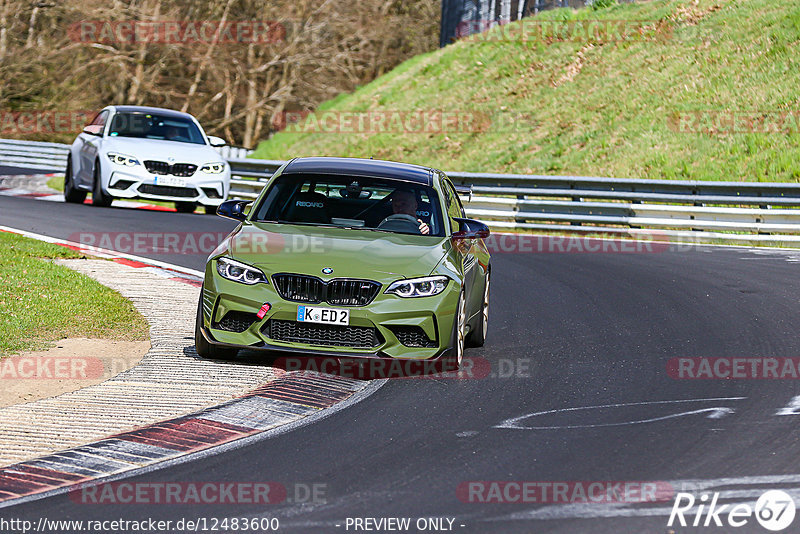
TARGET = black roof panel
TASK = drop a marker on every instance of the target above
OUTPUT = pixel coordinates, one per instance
(146, 109)
(361, 167)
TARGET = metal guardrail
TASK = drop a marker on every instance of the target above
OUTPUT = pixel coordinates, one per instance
(248, 176)
(33, 155)
(687, 210)
(53, 156)
(730, 211)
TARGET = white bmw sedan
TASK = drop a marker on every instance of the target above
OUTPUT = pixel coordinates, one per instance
(148, 153)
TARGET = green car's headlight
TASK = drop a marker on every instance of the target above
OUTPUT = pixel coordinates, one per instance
(122, 159)
(240, 272)
(419, 287)
(213, 168)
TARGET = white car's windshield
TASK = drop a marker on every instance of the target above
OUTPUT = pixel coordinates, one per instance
(154, 126)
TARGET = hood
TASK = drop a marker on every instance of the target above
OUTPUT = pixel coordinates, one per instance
(155, 149)
(379, 256)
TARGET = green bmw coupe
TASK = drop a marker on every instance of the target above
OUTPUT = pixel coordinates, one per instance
(348, 257)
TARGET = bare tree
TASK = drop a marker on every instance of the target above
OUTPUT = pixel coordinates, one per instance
(313, 50)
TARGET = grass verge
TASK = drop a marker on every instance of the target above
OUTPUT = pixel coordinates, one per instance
(628, 108)
(41, 302)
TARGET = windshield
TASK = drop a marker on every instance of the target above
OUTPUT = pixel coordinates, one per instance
(154, 126)
(353, 202)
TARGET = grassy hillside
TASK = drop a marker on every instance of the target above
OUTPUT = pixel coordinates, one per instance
(598, 107)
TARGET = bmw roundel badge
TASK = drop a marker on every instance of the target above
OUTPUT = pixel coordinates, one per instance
(327, 270)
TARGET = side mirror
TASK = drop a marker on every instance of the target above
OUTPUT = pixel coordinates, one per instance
(471, 229)
(233, 209)
(215, 141)
(93, 129)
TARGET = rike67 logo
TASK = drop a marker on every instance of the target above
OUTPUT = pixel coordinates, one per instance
(774, 510)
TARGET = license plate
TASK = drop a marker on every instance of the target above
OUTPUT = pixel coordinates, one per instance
(169, 180)
(308, 314)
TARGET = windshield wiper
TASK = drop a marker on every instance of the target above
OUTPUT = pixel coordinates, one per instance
(299, 223)
(325, 225)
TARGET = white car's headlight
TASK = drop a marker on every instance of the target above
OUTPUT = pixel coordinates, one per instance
(240, 272)
(419, 287)
(122, 159)
(213, 168)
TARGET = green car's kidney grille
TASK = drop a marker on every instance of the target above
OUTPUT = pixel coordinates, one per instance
(338, 292)
(299, 288)
(352, 292)
(322, 334)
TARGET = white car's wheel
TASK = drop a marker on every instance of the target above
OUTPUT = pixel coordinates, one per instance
(99, 198)
(185, 207)
(71, 193)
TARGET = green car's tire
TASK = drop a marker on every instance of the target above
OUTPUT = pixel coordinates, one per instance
(72, 194)
(477, 338)
(204, 348)
(185, 207)
(99, 198)
(452, 362)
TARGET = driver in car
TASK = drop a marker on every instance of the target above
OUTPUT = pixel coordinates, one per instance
(405, 203)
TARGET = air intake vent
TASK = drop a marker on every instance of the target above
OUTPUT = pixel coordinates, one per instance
(236, 321)
(412, 336)
(322, 334)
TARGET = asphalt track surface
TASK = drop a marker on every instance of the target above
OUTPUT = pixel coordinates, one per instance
(573, 330)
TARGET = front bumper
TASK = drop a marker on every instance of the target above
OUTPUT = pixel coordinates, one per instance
(202, 188)
(387, 314)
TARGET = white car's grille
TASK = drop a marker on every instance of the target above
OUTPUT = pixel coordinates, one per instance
(176, 169)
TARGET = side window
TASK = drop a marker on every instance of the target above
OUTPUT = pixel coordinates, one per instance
(98, 123)
(101, 118)
(459, 206)
(452, 205)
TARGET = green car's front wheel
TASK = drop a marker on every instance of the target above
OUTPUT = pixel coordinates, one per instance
(204, 348)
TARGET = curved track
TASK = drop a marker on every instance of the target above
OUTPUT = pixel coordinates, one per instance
(572, 330)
